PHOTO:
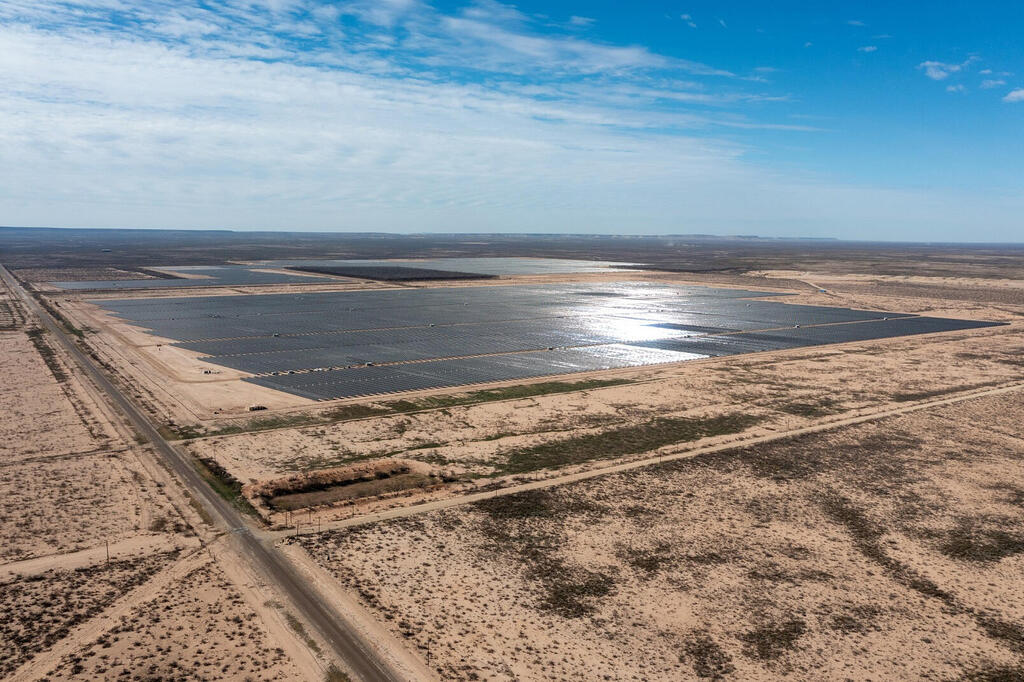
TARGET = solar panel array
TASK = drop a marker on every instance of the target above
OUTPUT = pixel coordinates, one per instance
(206, 276)
(432, 268)
(327, 345)
(388, 273)
(481, 266)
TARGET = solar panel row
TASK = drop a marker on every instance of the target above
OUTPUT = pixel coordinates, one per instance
(436, 268)
(365, 381)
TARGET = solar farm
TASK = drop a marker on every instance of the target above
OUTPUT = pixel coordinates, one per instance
(347, 344)
(610, 455)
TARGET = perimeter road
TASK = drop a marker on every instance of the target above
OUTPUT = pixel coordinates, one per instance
(267, 561)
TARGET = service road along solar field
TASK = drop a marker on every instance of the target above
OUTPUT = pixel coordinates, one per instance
(347, 344)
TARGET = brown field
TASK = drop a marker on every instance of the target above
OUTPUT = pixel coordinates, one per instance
(199, 627)
(885, 550)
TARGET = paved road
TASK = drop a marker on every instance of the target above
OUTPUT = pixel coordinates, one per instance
(267, 561)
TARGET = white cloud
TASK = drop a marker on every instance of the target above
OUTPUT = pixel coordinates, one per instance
(956, 88)
(867, 48)
(941, 70)
(808, 44)
(855, 22)
(580, 21)
(990, 83)
(1015, 95)
(689, 20)
(179, 117)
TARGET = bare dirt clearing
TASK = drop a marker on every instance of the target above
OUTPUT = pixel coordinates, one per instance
(885, 550)
(43, 413)
(71, 503)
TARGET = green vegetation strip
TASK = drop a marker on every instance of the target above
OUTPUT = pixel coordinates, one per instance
(225, 485)
(392, 407)
(57, 315)
(628, 440)
(296, 625)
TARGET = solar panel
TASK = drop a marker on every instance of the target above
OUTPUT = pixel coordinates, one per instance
(327, 345)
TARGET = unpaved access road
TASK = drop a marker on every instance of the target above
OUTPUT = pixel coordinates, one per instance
(665, 454)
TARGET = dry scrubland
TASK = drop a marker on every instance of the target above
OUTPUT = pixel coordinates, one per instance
(887, 550)
(66, 482)
(199, 628)
(69, 482)
(68, 504)
(43, 413)
(40, 610)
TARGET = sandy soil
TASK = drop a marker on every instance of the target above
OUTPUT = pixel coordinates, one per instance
(889, 550)
(72, 503)
(199, 627)
(42, 416)
(40, 609)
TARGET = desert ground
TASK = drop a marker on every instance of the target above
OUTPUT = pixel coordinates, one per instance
(889, 550)
(96, 540)
(839, 512)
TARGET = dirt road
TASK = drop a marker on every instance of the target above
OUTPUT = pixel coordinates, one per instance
(666, 454)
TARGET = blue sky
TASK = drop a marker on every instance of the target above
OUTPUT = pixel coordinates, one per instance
(859, 121)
